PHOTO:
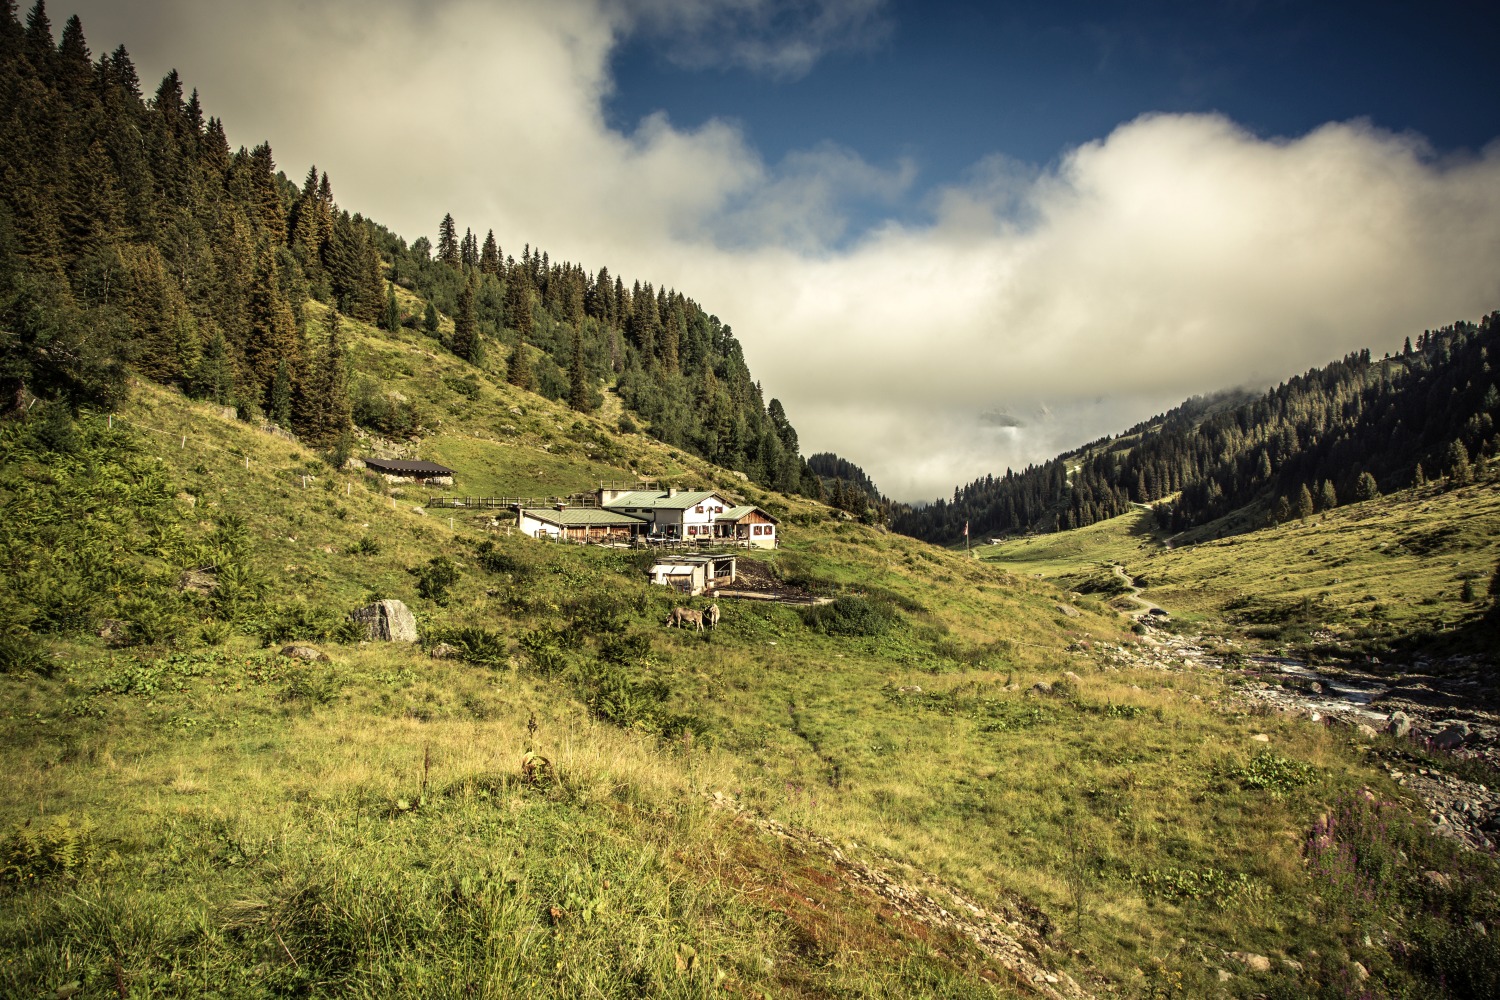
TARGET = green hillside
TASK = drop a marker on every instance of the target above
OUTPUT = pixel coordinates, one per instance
(916, 773)
(192, 812)
(1384, 575)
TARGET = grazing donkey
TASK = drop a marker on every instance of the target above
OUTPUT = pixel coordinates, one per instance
(711, 616)
(682, 616)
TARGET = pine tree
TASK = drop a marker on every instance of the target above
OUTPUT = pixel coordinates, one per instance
(448, 250)
(518, 304)
(430, 320)
(279, 396)
(327, 409)
(1459, 470)
(1304, 503)
(489, 257)
(1327, 498)
(273, 329)
(580, 397)
(518, 370)
(1281, 512)
(1418, 477)
(466, 342)
(214, 379)
(1366, 488)
(392, 319)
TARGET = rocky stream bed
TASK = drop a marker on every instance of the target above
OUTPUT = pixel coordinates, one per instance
(1437, 711)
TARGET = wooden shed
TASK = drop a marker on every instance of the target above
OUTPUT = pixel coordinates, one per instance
(403, 471)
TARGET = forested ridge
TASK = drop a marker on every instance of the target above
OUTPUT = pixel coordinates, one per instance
(1347, 431)
(133, 239)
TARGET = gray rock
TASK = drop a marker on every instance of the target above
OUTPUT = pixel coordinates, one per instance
(199, 581)
(1252, 961)
(1368, 732)
(1068, 611)
(389, 621)
(1451, 737)
(1399, 725)
(305, 653)
(443, 651)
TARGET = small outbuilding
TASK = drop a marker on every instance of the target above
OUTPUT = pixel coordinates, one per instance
(692, 575)
(402, 471)
(579, 524)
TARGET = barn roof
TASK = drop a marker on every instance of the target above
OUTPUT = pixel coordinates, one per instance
(582, 517)
(736, 513)
(410, 468)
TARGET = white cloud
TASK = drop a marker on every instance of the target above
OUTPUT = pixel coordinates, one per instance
(1177, 255)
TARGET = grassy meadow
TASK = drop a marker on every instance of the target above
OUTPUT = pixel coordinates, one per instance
(1365, 577)
(191, 813)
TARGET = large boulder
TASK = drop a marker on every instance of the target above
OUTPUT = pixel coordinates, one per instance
(1399, 725)
(387, 621)
(1452, 737)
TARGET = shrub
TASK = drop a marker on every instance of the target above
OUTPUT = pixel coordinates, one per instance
(1272, 773)
(434, 578)
(495, 560)
(851, 616)
(369, 545)
(476, 645)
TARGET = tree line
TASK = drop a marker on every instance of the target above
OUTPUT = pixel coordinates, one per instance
(132, 238)
(1344, 432)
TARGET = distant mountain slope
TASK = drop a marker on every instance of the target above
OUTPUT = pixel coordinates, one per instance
(1339, 432)
(133, 238)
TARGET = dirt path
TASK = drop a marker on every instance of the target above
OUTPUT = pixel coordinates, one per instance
(1010, 938)
(1135, 595)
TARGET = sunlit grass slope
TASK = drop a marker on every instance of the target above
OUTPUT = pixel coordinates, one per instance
(1365, 575)
(190, 813)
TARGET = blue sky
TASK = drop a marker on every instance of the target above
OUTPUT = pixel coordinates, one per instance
(914, 216)
(945, 84)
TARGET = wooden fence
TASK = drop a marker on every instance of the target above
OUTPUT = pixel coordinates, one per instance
(509, 503)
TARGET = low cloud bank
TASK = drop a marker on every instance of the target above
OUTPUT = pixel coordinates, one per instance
(1035, 309)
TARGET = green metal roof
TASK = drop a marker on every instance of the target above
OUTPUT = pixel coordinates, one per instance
(582, 517)
(658, 499)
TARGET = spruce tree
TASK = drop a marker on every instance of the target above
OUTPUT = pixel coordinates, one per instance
(1327, 498)
(1304, 503)
(466, 342)
(518, 304)
(392, 319)
(430, 320)
(489, 257)
(214, 379)
(448, 251)
(273, 329)
(580, 396)
(279, 396)
(1459, 470)
(1366, 488)
(518, 370)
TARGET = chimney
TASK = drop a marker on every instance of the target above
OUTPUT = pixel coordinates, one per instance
(671, 491)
